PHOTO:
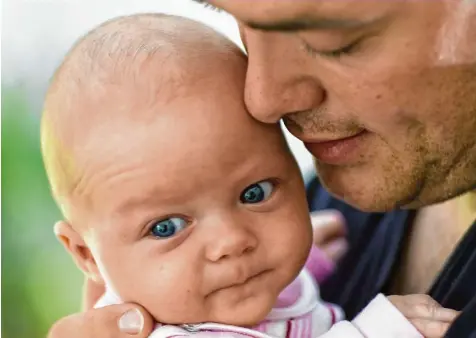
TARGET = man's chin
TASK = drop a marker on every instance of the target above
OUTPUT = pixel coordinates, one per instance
(364, 192)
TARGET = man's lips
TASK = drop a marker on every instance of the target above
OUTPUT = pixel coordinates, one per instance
(338, 151)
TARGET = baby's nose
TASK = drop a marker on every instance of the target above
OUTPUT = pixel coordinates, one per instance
(233, 241)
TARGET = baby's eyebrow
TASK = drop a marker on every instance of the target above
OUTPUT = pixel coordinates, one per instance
(131, 203)
(153, 198)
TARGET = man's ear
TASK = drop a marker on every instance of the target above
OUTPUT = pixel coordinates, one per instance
(77, 247)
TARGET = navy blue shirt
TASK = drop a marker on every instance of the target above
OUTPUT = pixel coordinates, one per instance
(376, 242)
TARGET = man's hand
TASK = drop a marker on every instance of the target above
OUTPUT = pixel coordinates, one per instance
(329, 233)
(115, 321)
(429, 317)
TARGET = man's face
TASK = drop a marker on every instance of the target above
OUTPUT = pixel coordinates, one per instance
(383, 93)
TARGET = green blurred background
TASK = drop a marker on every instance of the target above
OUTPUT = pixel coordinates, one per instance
(40, 283)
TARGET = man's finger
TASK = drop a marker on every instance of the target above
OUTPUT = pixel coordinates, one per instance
(327, 225)
(115, 321)
(423, 307)
(431, 312)
(430, 328)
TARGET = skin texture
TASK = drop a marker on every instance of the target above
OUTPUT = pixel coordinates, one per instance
(232, 259)
(329, 234)
(115, 185)
(425, 314)
(406, 76)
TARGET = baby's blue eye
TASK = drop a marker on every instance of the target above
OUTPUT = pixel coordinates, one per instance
(168, 227)
(257, 192)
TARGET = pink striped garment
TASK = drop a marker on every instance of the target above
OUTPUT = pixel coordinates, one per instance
(300, 313)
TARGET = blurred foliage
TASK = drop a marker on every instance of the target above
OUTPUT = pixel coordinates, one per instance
(39, 280)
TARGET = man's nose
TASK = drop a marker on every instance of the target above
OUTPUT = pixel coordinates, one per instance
(280, 77)
(228, 238)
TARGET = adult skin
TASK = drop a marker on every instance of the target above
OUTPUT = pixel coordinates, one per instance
(382, 93)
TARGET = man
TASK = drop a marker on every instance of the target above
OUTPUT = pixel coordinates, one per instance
(383, 93)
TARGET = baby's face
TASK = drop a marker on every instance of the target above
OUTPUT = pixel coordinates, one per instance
(199, 211)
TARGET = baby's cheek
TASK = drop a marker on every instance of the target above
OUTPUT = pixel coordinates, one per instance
(298, 239)
(172, 297)
(176, 307)
(295, 248)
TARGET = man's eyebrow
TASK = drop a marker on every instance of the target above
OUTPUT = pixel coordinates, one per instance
(208, 5)
(298, 24)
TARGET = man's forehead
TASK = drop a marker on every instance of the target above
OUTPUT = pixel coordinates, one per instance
(289, 15)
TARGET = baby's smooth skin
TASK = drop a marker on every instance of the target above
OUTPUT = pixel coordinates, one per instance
(172, 194)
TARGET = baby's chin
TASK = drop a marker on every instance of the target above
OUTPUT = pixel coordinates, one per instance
(245, 314)
(243, 305)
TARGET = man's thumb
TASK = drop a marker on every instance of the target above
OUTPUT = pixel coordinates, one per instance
(114, 321)
(132, 321)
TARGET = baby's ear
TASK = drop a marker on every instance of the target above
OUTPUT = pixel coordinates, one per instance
(77, 247)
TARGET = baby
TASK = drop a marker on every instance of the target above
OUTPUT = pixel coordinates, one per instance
(176, 199)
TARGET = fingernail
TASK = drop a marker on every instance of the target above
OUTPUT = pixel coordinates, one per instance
(131, 322)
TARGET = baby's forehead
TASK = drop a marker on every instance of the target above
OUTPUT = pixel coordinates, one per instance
(150, 70)
(119, 74)
(125, 67)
